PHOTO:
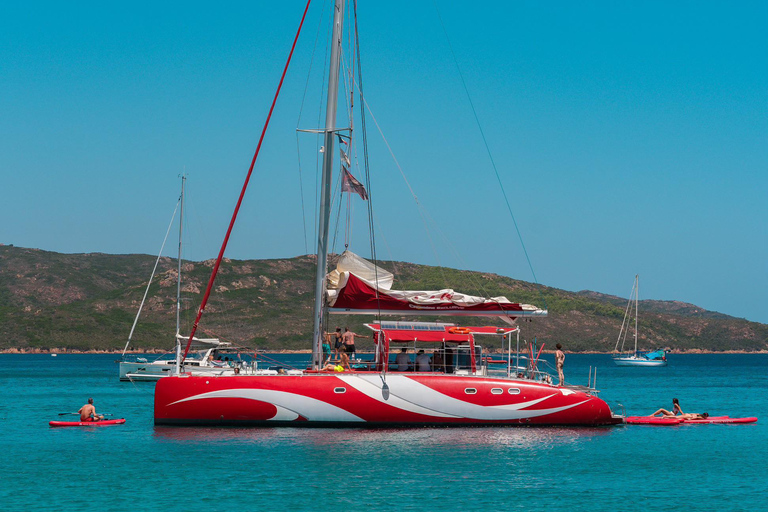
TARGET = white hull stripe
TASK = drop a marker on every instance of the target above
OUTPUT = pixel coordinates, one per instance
(408, 394)
(287, 404)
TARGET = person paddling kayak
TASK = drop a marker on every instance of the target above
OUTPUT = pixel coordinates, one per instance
(88, 412)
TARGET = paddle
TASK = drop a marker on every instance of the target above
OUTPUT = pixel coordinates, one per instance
(99, 414)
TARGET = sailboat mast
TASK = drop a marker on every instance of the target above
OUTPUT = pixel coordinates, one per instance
(178, 278)
(325, 187)
(637, 299)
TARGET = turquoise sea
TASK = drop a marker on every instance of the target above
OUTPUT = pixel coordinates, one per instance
(139, 467)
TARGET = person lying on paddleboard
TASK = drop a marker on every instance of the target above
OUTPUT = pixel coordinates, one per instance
(675, 410)
(694, 416)
(88, 412)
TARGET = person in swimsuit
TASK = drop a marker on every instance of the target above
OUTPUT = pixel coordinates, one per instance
(88, 412)
(327, 347)
(337, 342)
(560, 362)
(695, 416)
(675, 410)
(341, 366)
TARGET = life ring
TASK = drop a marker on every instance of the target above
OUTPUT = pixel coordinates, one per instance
(459, 330)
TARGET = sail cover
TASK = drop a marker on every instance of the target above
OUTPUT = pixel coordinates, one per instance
(350, 262)
(349, 292)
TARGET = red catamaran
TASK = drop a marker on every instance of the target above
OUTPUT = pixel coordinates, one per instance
(460, 387)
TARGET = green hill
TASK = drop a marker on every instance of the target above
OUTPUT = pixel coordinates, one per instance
(50, 300)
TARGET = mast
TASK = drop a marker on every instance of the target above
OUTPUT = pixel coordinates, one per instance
(178, 279)
(325, 187)
(637, 299)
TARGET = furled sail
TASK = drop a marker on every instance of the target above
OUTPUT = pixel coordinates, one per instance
(352, 289)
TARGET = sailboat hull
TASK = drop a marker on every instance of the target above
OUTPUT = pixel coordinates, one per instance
(365, 400)
(638, 361)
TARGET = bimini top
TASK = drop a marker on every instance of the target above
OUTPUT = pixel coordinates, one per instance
(437, 333)
(349, 292)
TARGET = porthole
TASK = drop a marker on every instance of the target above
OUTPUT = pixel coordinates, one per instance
(339, 390)
(496, 391)
(513, 391)
(470, 391)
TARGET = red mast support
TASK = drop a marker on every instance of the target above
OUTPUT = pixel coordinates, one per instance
(242, 192)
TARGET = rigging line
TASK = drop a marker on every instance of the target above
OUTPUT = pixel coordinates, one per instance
(452, 247)
(425, 216)
(298, 122)
(626, 317)
(301, 193)
(389, 250)
(338, 218)
(419, 207)
(337, 193)
(371, 230)
(138, 313)
(242, 192)
(488, 149)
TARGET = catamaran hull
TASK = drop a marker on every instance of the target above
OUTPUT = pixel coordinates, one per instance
(365, 400)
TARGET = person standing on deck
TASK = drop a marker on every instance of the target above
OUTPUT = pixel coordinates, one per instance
(88, 412)
(327, 347)
(337, 342)
(349, 341)
(559, 362)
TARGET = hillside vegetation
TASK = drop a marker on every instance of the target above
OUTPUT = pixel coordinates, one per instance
(88, 302)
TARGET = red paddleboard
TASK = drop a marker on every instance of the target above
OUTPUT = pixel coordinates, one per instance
(652, 420)
(101, 423)
(722, 419)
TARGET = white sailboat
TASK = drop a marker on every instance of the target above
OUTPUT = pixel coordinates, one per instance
(205, 357)
(635, 358)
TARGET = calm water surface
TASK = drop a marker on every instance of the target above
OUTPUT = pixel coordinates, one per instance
(137, 466)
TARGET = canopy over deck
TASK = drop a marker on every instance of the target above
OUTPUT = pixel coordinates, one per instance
(436, 333)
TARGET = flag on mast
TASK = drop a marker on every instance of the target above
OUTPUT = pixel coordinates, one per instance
(350, 184)
(345, 158)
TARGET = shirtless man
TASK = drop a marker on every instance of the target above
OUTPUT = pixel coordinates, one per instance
(559, 362)
(88, 412)
(349, 341)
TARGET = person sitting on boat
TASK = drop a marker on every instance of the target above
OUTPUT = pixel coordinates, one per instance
(344, 361)
(341, 366)
(438, 365)
(88, 412)
(402, 360)
(349, 341)
(675, 410)
(422, 362)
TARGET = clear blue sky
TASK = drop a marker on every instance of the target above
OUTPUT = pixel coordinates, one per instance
(631, 136)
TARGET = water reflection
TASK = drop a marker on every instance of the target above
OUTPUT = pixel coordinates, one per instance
(363, 439)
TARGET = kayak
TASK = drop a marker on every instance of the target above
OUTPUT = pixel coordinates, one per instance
(652, 420)
(655, 420)
(723, 419)
(102, 423)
